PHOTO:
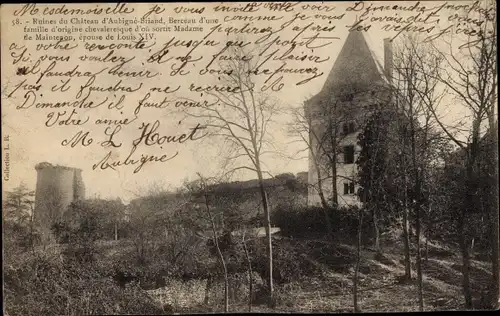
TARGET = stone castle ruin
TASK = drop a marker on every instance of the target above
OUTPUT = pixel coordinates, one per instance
(56, 187)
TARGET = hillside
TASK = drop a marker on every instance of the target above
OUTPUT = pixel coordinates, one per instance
(318, 278)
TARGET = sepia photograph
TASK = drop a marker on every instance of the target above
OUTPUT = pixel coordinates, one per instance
(249, 157)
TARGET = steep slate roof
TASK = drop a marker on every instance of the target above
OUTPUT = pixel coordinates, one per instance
(356, 63)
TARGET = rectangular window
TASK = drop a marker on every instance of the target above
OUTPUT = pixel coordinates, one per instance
(348, 128)
(348, 154)
(349, 188)
(345, 129)
(352, 127)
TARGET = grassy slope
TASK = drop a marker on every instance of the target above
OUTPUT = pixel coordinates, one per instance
(330, 288)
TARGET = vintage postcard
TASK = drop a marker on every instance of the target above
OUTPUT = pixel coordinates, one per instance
(224, 157)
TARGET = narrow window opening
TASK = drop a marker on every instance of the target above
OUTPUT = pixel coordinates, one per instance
(352, 127)
(348, 128)
(348, 154)
(349, 188)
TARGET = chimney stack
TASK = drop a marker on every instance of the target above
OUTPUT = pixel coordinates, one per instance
(388, 60)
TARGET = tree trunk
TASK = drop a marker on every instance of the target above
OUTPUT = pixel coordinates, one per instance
(377, 231)
(427, 234)
(335, 200)
(419, 263)
(495, 266)
(465, 262)
(116, 230)
(417, 206)
(462, 238)
(358, 261)
(324, 203)
(495, 260)
(468, 204)
(328, 224)
(406, 240)
(427, 247)
(221, 257)
(406, 228)
(333, 158)
(494, 255)
(250, 276)
(268, 234)
(207, 290)
(321, 194)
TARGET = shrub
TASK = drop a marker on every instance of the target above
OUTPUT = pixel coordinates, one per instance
(42, 284)
(290, 260)
(61, 231)
(19, 238)
(184, 257)
(311, 221)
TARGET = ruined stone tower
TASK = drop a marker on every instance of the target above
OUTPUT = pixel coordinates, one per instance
(56, 188)
(356, 84)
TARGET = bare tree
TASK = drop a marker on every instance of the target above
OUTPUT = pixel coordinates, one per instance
(324, 139)
(241, 119)
(302, 127)
(415, 94)
(469, 73)
(201, 187)
(493, 129)
(323, 127)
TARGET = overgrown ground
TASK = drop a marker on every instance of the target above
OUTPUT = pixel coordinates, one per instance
(314, 276)
(326, 285)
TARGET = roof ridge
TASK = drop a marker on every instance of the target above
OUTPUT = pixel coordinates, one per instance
(378, 64)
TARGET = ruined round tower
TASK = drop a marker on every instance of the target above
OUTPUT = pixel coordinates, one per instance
(56, 188)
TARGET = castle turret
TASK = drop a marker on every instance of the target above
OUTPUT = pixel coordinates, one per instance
(356, 84)
(56, 188)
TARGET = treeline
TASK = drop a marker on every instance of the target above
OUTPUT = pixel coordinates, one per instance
(409, 176)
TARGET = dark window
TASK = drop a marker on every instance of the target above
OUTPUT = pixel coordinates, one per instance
(345, 129)
(348, 154)
(348, 128)
(349, 188)
(352, 127)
